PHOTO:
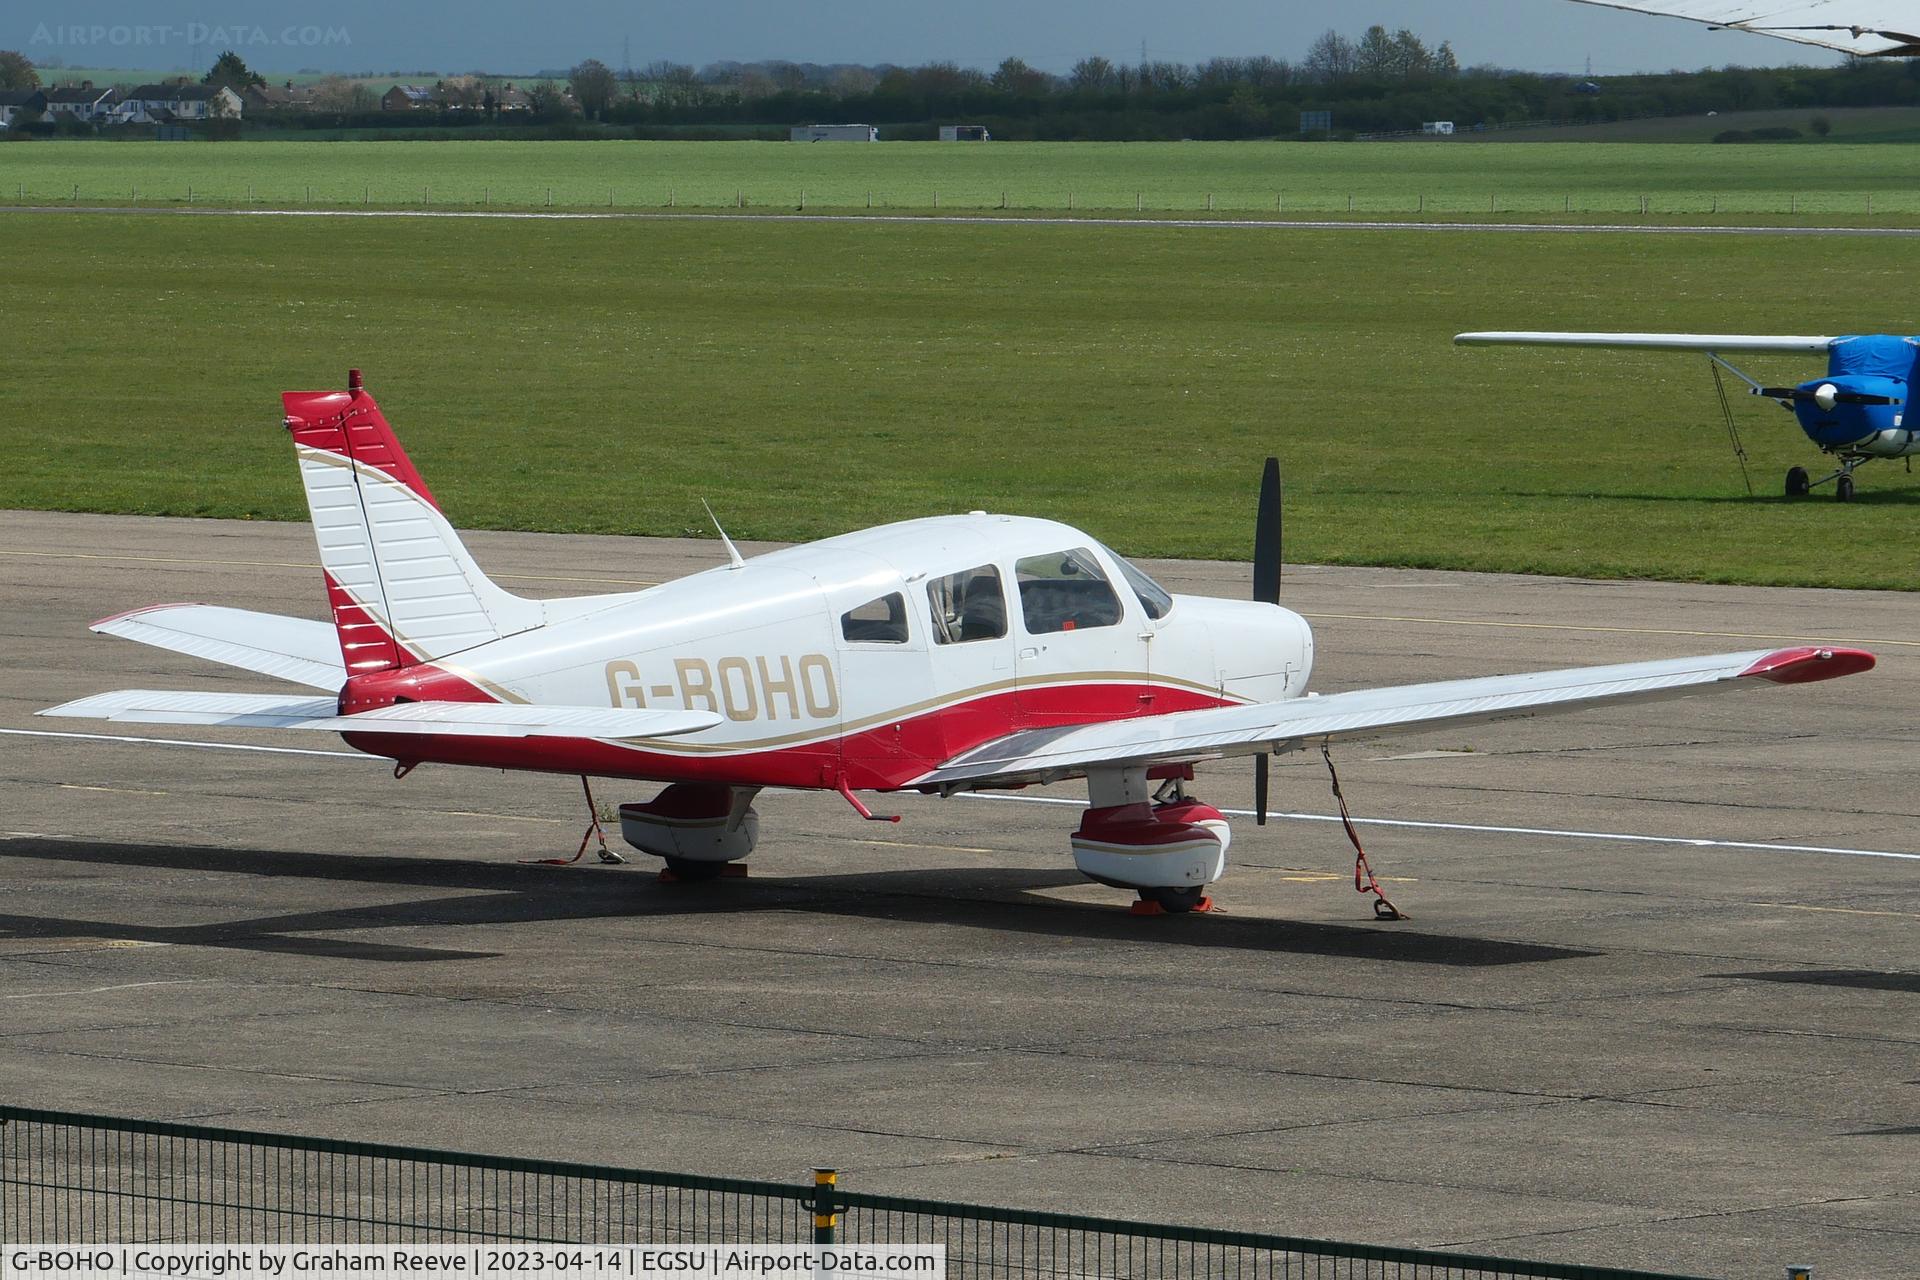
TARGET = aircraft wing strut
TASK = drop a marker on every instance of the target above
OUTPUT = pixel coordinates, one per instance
(1039, 755)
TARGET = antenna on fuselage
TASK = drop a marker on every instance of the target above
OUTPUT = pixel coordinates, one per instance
(733, 553)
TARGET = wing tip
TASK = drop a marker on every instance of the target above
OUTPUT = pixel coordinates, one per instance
(1805, 665)
(124, 614)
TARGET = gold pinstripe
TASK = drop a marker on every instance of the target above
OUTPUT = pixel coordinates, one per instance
(807, 736)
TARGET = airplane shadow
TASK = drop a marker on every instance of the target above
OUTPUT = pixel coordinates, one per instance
(1857, 979)
(472, 895)
(1764, 495)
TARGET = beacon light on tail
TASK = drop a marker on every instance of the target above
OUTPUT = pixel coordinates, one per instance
(940, 655)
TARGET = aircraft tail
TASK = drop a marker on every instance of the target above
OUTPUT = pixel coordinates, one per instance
(401, 585)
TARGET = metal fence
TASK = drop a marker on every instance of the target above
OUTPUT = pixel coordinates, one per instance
(82, 1179)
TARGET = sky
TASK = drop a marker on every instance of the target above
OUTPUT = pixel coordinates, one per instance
(453, 36)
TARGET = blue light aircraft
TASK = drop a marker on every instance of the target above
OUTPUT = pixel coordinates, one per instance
(1855, 413)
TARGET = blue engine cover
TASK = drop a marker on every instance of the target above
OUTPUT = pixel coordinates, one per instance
(1872, 364)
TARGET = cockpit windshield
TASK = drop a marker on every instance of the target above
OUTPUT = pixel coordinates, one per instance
(1154, 598)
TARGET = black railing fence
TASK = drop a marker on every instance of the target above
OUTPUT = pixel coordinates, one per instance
(68, 1178)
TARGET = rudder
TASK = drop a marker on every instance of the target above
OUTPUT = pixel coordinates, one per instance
(402, 587)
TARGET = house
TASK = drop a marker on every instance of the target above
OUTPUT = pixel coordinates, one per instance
(965, 133)
(833, 133)
(177, 104)
(275, 97)
(409, 97)
(83, 102)
(31, 103)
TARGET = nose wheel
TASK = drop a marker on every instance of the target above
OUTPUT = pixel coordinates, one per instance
(1843, 489)
(1173, 902)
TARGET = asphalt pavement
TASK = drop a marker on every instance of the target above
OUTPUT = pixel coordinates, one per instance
(1654, 1006)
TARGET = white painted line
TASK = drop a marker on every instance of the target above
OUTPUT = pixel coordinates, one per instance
(1620, 837)
(94, 991)
(188, 742)
(1555, 832)
(1016, 220)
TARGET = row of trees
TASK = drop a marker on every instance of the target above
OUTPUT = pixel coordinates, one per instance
(1381, 81)
(1378, 58)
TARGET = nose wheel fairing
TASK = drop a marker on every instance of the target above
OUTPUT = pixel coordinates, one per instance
(1169, 847)
(1147, 847)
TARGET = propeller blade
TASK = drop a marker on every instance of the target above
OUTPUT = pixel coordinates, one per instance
(1839, 397)
(1267, 537)
(1267, 547)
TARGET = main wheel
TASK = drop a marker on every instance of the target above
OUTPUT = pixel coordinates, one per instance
(1797, 485)
(1175, 901)
(1843, 489)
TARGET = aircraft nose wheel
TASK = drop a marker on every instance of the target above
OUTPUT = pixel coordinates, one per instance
(1798, 485)
(1843, 489)
(1176, 902)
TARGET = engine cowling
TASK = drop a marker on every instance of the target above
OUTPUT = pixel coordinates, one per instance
(694, 822)
(1179, 845)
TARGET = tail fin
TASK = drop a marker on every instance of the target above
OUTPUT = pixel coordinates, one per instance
(402, 587)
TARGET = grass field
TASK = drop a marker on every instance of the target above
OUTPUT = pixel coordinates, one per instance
(812, 378)
(1434, 178)
(1851, 125)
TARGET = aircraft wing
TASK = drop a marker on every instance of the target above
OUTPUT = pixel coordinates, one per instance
(469, 719)
(1866, 28)
(1646, 341)
(1038, 755)
(295, 649)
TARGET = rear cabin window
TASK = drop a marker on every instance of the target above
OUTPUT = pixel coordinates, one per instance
(1065, 591)
(882, 621)
(967, 606)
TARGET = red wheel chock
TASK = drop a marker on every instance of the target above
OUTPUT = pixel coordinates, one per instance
(1147, 907)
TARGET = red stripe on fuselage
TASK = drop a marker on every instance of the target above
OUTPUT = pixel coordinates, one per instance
(882, 758)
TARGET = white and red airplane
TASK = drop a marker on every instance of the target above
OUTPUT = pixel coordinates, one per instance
(937, 655)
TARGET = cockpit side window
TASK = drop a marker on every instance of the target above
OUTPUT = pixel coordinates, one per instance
(1154, 598)
(1065, 591)
(882, 621)
(967, 606)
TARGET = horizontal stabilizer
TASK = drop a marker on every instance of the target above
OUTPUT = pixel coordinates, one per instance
(468, 719)
(296, 649)
(1646, 341)
(1185, 736)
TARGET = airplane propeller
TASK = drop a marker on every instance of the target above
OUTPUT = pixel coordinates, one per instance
(1266, 588)
(1824, 396)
